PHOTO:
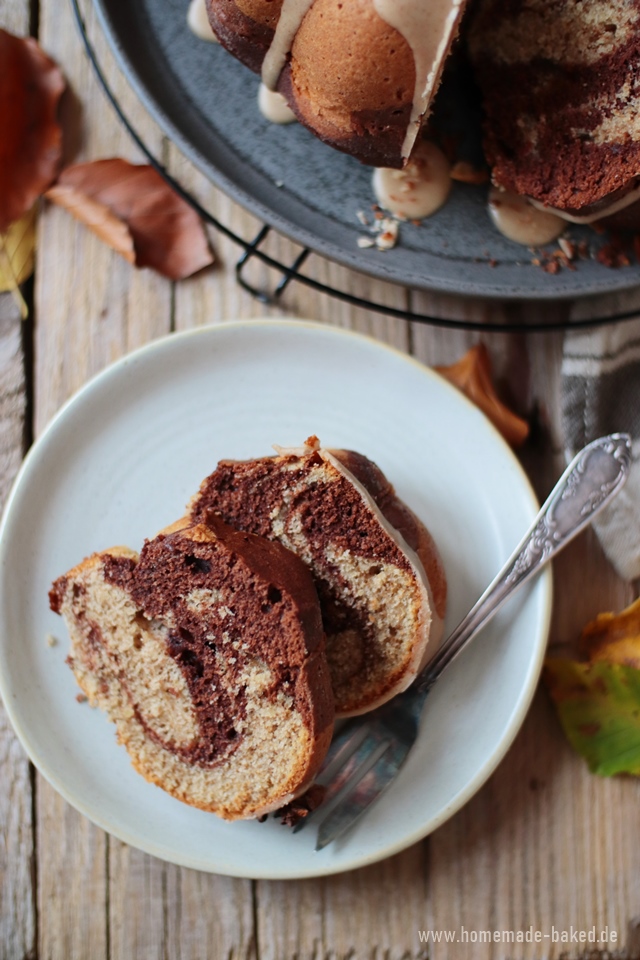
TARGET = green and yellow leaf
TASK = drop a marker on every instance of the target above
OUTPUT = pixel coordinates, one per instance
(599, 707)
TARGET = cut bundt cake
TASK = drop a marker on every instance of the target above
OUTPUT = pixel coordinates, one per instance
(380, 581)
(361, 75)
(560, 83)
(207, 653)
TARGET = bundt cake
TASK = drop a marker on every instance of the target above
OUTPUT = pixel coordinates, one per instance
(360, 75)
(560, 84)
(380, 580)
(207, 653)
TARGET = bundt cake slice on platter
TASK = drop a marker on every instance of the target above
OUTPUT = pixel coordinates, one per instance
(379, 577)
(207, 652)
(560, 84)
(360, 74)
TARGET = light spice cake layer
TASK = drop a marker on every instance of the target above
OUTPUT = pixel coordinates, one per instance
(379, 577)
(207, 652)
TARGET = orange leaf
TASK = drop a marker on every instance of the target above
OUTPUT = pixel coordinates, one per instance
(31, 140)
(614, 637)
(133, 210)
(472, 375)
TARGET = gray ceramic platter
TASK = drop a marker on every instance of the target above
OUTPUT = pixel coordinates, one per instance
(206, 103)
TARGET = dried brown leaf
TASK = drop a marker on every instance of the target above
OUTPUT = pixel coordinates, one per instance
(31, 140)
(132, 209)
(472, 375)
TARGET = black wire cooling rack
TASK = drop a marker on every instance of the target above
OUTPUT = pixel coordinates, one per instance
(252, 249)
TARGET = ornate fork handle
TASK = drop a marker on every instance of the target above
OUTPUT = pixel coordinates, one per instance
(583, 489)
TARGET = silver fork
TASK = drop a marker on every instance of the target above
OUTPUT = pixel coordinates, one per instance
(368, 751)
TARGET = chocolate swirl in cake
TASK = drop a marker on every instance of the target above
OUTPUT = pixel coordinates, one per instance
(379, 578)
(560, 84)
(208, 653)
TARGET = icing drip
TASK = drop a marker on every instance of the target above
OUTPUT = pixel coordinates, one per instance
(518, 220)
(274, 107)
(198, 21)
(429, 27)
(603, 211)
(291, 16)
(419, 189)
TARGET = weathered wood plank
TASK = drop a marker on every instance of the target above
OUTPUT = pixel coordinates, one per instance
(209, 913)
(17, 901)
(15, 16)
(535, 848)
(91, 305)
(17, 895)
(158, 910)
(367, 914)
(538, 843)
(91, 308)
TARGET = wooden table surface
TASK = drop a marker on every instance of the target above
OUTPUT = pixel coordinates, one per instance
(543, 844)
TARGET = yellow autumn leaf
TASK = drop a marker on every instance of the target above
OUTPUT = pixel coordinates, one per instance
(17, 256)
(614, 637)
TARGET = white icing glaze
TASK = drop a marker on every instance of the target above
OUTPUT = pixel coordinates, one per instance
(608, 211)
(429, 27)
(519, 220)
(274, 107)
(198, 21)
(419, 189)
(291, 16)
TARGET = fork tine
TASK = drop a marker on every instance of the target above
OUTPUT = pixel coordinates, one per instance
(350, 763)
(335, 810)
(358, 794)
(343, 746)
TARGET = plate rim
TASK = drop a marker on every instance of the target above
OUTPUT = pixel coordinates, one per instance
(509, 291)
(534, 667)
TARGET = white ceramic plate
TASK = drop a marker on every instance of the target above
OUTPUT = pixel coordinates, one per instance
(121, 460)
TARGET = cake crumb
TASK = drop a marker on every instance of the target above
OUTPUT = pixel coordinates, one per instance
(567, 247)
(465, 172)
(388, 236)
(81, 697)
(383, 233)
(301, 807)
(51, 641)
(613, 254)
(551, 266)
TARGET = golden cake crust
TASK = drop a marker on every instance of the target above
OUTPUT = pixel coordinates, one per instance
(350, 78)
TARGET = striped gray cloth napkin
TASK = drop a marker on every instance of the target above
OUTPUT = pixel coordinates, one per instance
(601, 394)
